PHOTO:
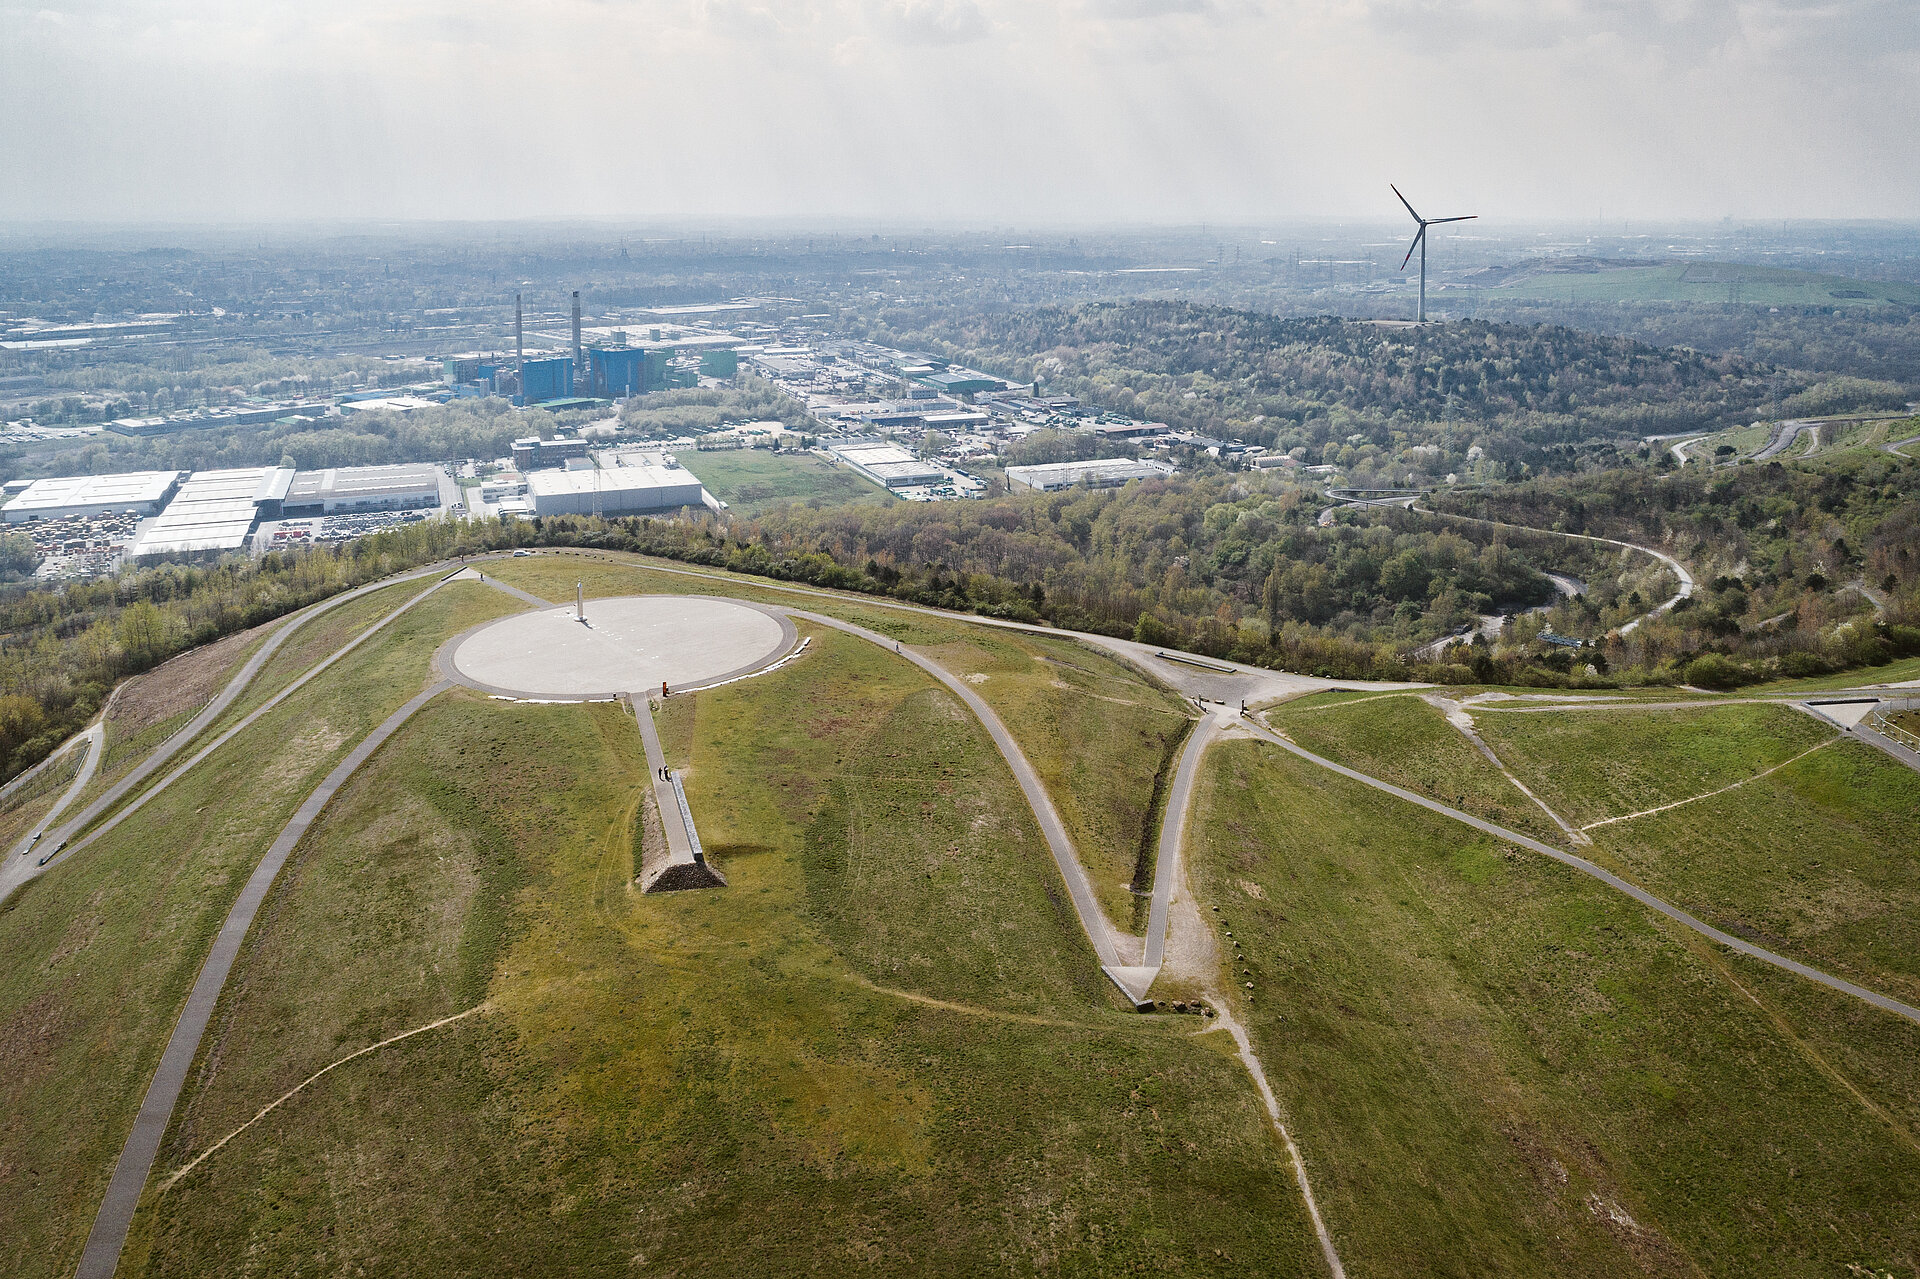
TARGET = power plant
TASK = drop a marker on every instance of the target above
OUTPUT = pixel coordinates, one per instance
(586, 364)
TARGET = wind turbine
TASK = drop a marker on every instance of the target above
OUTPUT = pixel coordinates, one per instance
(1420, 243)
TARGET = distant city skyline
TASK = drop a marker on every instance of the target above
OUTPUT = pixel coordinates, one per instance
(981, 111)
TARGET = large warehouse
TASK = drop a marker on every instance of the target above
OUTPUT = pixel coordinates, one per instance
(1104, 473)
(623, 490)
(885, 462)
(341, 490)
(142, 492)
(215, 511)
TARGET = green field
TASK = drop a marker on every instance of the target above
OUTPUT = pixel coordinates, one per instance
(1495, 1065)
(1817, 860)
(752, 480)
(97, 954)
(1710, 282)
(884, 1048)
(1594, 764)
(1097, 731)
(1400, 739)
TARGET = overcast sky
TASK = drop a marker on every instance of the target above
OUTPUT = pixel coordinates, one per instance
(1016, 112)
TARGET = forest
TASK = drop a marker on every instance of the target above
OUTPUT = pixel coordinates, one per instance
(1289, 383)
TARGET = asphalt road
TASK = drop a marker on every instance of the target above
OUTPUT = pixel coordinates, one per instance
(18, 867)
(101, 1255)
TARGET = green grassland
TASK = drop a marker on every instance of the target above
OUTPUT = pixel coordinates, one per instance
(96, 956)
(1818, 860)
(1104, 739)
(750, 481)
(1713, 282)
(1589, 765)
(883, 1049)
(1895, 672)
(1495, 1065)
(1099, 732)
(316, 640)
(1400, 739)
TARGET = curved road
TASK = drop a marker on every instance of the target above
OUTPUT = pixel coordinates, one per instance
(1679, 569)
(225, 699)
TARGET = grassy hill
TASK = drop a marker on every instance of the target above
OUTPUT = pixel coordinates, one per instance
(459, 1040)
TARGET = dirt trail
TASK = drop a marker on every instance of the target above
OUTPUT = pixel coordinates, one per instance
(1225, 1021)
(289, 1094)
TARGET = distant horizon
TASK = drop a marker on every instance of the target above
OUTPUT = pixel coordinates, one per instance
(989, 112)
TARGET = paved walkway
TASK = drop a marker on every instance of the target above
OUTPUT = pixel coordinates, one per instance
(265, 707)
(1092, 919)
(1679, 569)
(1608, 878)
(95, 737)
(109, 1234)
(12, 877)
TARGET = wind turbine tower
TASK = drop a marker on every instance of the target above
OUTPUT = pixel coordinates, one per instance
(1420, 243)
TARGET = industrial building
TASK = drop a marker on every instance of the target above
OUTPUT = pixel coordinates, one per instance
(142, 492)
(533, 453)
(1104, 473)
(250, 415)
(616, 371)
(345, 489)
(215, 511)
(886, 463)
(616, 490)
(549, 379)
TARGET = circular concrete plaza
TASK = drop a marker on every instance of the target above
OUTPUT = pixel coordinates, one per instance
(630, 644)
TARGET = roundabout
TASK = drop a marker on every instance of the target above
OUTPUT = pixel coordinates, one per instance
(628, 644)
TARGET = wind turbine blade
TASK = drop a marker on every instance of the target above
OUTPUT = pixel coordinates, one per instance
(1403, 200)
(1466, 217)
(1411, 247)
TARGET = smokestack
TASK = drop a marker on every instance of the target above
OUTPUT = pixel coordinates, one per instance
(579, 370)
(519, 351)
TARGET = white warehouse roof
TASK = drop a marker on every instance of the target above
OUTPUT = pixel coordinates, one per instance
(214, 511)
(622, 490)
(140, 491)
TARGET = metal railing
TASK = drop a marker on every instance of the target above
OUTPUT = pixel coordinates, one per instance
(1880, 720)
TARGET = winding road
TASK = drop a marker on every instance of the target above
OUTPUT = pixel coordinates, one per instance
(1220, 684)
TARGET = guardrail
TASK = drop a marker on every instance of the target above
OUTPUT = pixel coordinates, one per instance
(1878, 720)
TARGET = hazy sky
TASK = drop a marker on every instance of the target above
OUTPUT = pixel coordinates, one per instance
(996, 111)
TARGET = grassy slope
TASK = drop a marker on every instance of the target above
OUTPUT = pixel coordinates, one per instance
(752, 480)
(1095, 729)
(1099, 734)
(314, 641)
(1591, 765)
(97, 955)
(1494, 1064)
(724, 1082)
(1401, 739)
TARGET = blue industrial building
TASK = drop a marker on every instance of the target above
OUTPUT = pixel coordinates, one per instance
(550, 379)
(616, 370)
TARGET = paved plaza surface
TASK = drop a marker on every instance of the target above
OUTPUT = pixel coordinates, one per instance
(628, 644)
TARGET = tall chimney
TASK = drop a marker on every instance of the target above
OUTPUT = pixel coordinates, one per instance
(579, 370)
(519, 351)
